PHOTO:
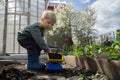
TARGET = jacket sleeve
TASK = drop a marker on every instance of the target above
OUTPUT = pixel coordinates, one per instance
(36, 34)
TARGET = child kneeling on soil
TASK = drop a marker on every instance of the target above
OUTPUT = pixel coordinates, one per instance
(31, 38)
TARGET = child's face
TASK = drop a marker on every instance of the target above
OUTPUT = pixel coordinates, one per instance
(47, 23)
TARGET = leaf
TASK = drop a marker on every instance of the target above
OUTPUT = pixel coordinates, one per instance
(113, 57)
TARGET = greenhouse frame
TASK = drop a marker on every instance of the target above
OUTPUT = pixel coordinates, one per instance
(15, 15)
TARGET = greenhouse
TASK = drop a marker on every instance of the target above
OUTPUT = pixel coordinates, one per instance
(15, 15)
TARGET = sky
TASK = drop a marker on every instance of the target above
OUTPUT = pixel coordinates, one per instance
(80, 4)
(108, 13)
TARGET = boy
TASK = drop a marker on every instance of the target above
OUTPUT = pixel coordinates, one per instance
(31, 38)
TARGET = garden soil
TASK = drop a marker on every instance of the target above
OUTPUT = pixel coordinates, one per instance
(18, 71)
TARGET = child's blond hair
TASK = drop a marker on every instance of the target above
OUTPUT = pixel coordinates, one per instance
(48, 14)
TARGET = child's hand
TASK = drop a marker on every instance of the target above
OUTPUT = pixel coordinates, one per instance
(50, 51)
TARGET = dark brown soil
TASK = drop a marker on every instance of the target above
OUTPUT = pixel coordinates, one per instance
(18, 72)
(55, 56)
(15, 74)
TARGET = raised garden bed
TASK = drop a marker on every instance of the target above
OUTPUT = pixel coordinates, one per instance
(102, 65)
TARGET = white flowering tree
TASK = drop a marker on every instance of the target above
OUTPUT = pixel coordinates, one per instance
(83, 26)
(62, 30)
(73, 25)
